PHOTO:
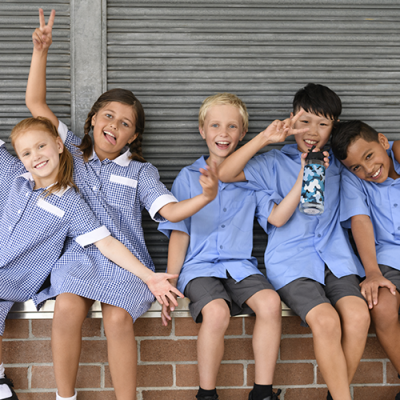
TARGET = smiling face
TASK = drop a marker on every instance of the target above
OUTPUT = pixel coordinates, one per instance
(114, 127)
(40, 152)
(320, 128)
(369, 160)
(222, 131)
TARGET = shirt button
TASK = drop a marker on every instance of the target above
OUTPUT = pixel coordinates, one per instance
(398, 228)
(222, 226)
(19, 211)
(224, 210)
(221, 247)
(94, 188)
(26, 194)
(319, 235)
(320, 251)
(395, 205)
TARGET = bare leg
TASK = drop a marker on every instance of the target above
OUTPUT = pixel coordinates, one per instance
(210, 341)
(122, 352)
(386, 319)
(354, 316)
(69, 313)
(266, 334)
(327, 336)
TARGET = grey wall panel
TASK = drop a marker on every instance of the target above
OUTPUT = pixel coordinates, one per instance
(173, 54)
(18, 19)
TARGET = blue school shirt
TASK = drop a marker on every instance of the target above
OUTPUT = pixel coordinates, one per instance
(381, 202)
(33, 229)
(301, 247)
(221, 233)
(10, 168)
(117, 191)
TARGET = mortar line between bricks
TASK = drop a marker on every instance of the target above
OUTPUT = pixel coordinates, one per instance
(141, 338)
(384, 372)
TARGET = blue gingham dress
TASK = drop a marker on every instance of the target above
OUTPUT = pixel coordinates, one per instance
(117, 191)
(33, 229)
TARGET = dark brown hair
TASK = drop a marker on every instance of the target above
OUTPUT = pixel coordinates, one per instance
(65, 169)
(121, 96)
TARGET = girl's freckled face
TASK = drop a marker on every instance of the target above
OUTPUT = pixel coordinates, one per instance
(114, 127)
(40, 153)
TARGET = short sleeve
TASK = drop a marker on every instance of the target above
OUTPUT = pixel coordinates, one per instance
(181, 190)
(152, 192)
(259, 172)
(84, 227)
(353, 199)
(69, 139)
(10, 166)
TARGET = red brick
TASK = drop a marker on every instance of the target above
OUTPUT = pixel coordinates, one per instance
(168, 350)
(88, 377)
(238, 349)
(292, 326)
(19, 375)
(37, 396)
(168, 394)
(375, 392)
(96, 395)
(228, 375)
(94, 351)
(391, 374)
(31, 351)
(309, 394)
(41, 328)
(187, 327)
(233, 394)
(154, 375)
(297, 349)
(373, 349)
(151, 327)
(287, 374)
(16, 329)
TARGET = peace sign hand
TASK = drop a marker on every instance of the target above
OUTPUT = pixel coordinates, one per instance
(42, 37)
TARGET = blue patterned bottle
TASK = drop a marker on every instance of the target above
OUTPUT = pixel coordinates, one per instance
(313, 188)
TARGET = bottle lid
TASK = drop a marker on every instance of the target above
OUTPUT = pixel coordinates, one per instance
(315, 155)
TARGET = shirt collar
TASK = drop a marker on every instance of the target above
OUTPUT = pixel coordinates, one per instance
(123, 160)
(28, 177)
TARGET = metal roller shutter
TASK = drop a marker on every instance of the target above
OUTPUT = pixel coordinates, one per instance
(173, 54)
(18, 19)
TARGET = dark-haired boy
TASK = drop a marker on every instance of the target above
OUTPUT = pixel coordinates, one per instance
(309, 260)
(370, 205)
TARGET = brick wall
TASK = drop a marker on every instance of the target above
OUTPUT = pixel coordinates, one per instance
(167, 362)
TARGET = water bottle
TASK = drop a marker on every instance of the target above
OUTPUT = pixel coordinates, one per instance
(313, 187)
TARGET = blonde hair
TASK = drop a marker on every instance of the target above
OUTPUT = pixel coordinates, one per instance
(64, 176)
(224, 99)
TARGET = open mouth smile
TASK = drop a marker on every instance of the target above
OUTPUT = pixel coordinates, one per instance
(110, 137)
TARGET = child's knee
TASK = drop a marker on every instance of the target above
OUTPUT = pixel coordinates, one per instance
(117, 321)
(217, 314)
(384, 315)
(326, 325)
(269, 306)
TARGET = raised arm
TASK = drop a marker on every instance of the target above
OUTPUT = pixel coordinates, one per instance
(363, 233)
(157, 282)
(176, 212)
(231, 170)
(178, 245)
(35, 97)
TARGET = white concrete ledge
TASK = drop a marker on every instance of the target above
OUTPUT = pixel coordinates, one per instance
(27, 310)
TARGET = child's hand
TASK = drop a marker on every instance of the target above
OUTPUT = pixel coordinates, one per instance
(42, 37)
(163, 291)
(209, 181)
(278, 131)
(166, 313)
(370, 287)
(326, 158)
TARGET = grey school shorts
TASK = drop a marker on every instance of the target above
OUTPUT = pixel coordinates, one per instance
(203, 290)
(391, 274)
(303, 294)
